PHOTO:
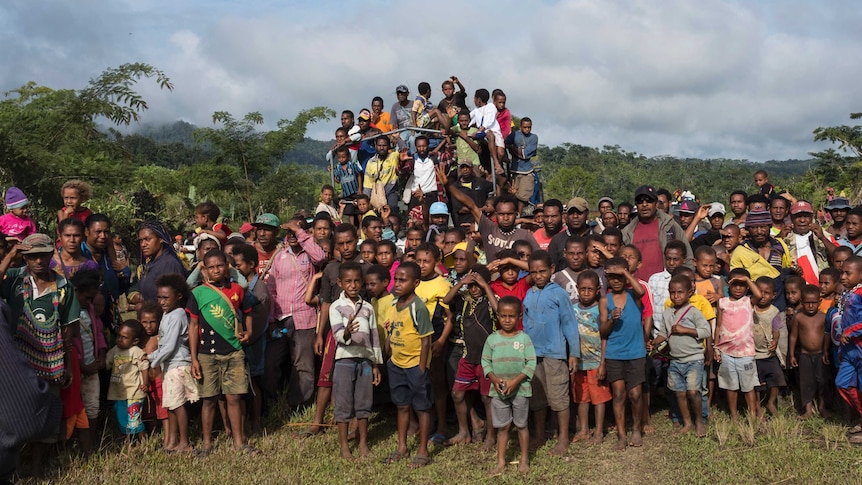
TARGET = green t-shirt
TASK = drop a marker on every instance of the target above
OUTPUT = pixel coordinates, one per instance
(507, 357)
(463, 148)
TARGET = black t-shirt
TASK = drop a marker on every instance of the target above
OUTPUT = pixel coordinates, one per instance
(477, 322)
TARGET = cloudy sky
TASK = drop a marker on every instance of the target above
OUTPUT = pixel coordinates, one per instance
(672, 77)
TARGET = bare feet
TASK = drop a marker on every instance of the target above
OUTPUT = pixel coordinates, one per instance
(346, 454)
(580, 437)
(637, 439)
(537, 442)
(523, 468)
(497, 470)
(685, 430)
(364, 451)
(648, 429)
(621, 445)
(489, 444)
(560, 449)
(700, 429)
(597, 438)
(458, 439)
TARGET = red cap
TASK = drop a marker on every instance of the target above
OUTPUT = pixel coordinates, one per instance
(801, 207)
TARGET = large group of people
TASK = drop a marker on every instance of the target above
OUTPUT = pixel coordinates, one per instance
(432, 277)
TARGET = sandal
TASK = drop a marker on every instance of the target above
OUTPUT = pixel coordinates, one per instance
(247, 449)
(202, 452)
(438, 439)
(393, 457)
(419, 461)
(855, 429)
(305, 434)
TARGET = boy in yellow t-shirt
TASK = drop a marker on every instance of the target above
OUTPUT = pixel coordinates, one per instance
(409, 343)
(432, 290)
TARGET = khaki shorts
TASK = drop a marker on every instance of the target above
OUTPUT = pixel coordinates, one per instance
(178, 387)
(223, 374)
(524, 185)
(550, 385)
(90, 387)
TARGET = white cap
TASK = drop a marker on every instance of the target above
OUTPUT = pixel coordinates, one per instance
(716, 208)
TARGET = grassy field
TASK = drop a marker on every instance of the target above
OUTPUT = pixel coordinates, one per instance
(783, 450)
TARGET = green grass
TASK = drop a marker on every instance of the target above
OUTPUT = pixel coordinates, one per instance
(783, 450)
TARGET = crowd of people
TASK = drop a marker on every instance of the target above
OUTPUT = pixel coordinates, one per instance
(430, 277)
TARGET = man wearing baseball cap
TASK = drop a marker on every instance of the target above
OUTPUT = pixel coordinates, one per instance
(266, 242)
(401, 117)
(577, 212)
(838, 208)
(809, 248)
(651, 230)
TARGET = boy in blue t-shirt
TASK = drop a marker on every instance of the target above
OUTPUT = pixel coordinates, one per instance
(348, 173)
(625, 349)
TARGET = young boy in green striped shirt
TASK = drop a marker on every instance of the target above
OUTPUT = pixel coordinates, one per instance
(509, 361)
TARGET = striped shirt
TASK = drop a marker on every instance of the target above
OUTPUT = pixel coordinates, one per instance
(507, 357)
(348, 176)
(288, 279)
(365, 342)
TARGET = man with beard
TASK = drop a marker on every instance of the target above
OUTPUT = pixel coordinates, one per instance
(495, 237)
(760, 254)
(293, 321)
(651, 231)
(809, 248)
(477, 188)
(838, 208)
(552, 223)
(577, 213)
(267, 244)
(383, 168)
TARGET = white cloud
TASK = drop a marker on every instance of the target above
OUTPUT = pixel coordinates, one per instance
(708, 79)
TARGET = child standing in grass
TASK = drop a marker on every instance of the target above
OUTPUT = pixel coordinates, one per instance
(808, 330)
(509, 360)
(149, 315)
(477, 308)
(589, 385)
(128, 387)
(354, 326)
(685, 329)
(175, 360)
(549, 321)
(409, 343)
(734, 341)
(768, 322)
(850, 369)
(625, 349)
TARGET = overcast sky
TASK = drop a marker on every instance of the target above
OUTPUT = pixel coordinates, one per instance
(688, 78)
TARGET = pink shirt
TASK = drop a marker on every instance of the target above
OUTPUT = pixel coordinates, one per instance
(737, 327)
(17, 227)
(288, 280)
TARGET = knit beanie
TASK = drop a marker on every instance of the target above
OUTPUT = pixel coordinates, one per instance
(15, 198)
(758, 218)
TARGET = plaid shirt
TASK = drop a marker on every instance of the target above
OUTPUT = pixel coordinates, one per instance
(288, 279)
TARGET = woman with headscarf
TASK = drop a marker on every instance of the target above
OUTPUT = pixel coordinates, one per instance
(158, 257)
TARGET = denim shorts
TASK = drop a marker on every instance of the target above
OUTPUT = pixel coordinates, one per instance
(685, 376)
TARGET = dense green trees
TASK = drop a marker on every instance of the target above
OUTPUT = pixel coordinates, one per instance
(48, 136)
(574, 170)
